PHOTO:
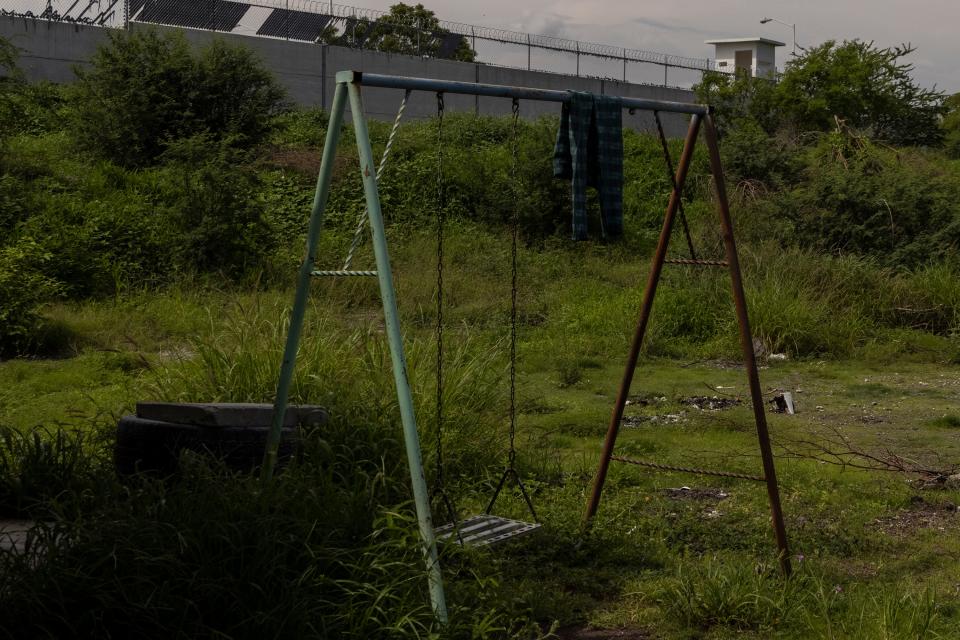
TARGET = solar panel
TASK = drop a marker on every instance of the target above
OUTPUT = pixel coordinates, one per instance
(219, 15)
(296, 25)
(134, 6)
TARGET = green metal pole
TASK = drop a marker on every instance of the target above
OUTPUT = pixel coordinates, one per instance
(404, 396)
(303, 283)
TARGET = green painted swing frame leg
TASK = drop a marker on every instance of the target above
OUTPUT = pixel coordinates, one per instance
(347, 87)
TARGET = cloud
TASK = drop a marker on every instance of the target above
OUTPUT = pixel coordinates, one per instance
(675, 28)
(545, 23)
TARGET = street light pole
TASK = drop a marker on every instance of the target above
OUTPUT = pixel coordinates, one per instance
(786, 24)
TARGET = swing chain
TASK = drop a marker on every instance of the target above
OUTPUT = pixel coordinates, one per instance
(438, 486)
(511, 469)
(513, 291)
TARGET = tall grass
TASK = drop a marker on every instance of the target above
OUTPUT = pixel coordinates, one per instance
(330, 551)
(350, 373)
(737, 594)
(49, 466)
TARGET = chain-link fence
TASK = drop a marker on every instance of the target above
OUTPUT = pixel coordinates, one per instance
(412, 32)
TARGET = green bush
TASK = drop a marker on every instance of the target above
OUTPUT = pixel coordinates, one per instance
(23, 289)
(10, 83)
(951, 126)
(214, 220)
(145, 89)
(749, 153)
(897, 206)
(106, 228)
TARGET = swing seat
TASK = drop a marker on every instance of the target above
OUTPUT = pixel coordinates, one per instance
(484, 530)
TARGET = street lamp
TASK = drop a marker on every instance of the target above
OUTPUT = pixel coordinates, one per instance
(786, 24)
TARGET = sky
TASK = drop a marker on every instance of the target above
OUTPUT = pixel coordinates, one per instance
(680, 27)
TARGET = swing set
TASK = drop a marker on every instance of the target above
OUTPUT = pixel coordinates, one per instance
(488, 529)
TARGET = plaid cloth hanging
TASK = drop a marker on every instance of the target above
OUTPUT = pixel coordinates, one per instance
(589, 153)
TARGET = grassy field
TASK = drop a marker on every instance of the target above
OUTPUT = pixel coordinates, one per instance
(671, 556)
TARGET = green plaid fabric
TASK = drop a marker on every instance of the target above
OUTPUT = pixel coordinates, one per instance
(589, 153)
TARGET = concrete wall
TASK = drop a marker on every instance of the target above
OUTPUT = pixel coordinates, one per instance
(50, 51)
(766, 61)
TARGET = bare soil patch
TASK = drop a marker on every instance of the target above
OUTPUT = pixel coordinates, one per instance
(711, 403)
(920, 515)
(692, 493)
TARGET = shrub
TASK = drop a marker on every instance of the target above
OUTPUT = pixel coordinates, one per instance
(951, 126)
(23, 289)
(749, 153)
(856, 197)
(145, 89)
(214, 219)
(236, 96)
(10, 83)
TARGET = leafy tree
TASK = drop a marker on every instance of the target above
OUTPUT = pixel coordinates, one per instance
(237, 96)
(408, 29)
(738, 98)
(869, 87)
(146, 89)
(137, 95)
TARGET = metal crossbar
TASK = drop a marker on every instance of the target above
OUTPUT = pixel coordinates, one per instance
(340, 273)
(693, 470)
(506, 91)
(700, 263)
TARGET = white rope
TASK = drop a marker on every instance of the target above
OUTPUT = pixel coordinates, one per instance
(362, 219)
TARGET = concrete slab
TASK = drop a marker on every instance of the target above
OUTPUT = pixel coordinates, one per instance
(13, 534)
(229, 414)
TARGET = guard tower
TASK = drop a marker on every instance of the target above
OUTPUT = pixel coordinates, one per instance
(755, 56)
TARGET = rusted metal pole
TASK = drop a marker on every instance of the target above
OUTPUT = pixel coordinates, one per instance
(670, 173)
(746, 342)
(648, 295)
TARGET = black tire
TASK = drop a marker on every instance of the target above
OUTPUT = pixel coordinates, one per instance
(153, 446)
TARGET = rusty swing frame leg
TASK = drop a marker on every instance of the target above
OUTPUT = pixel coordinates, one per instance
(746, 340)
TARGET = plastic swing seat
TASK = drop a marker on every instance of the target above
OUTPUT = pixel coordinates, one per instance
(484, 530)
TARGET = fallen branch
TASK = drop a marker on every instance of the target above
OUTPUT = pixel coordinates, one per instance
(836, 448)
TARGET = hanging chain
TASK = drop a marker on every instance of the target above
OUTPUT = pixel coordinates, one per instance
(439, 329)
(513, 289)
(511, 469)
(362, 218)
